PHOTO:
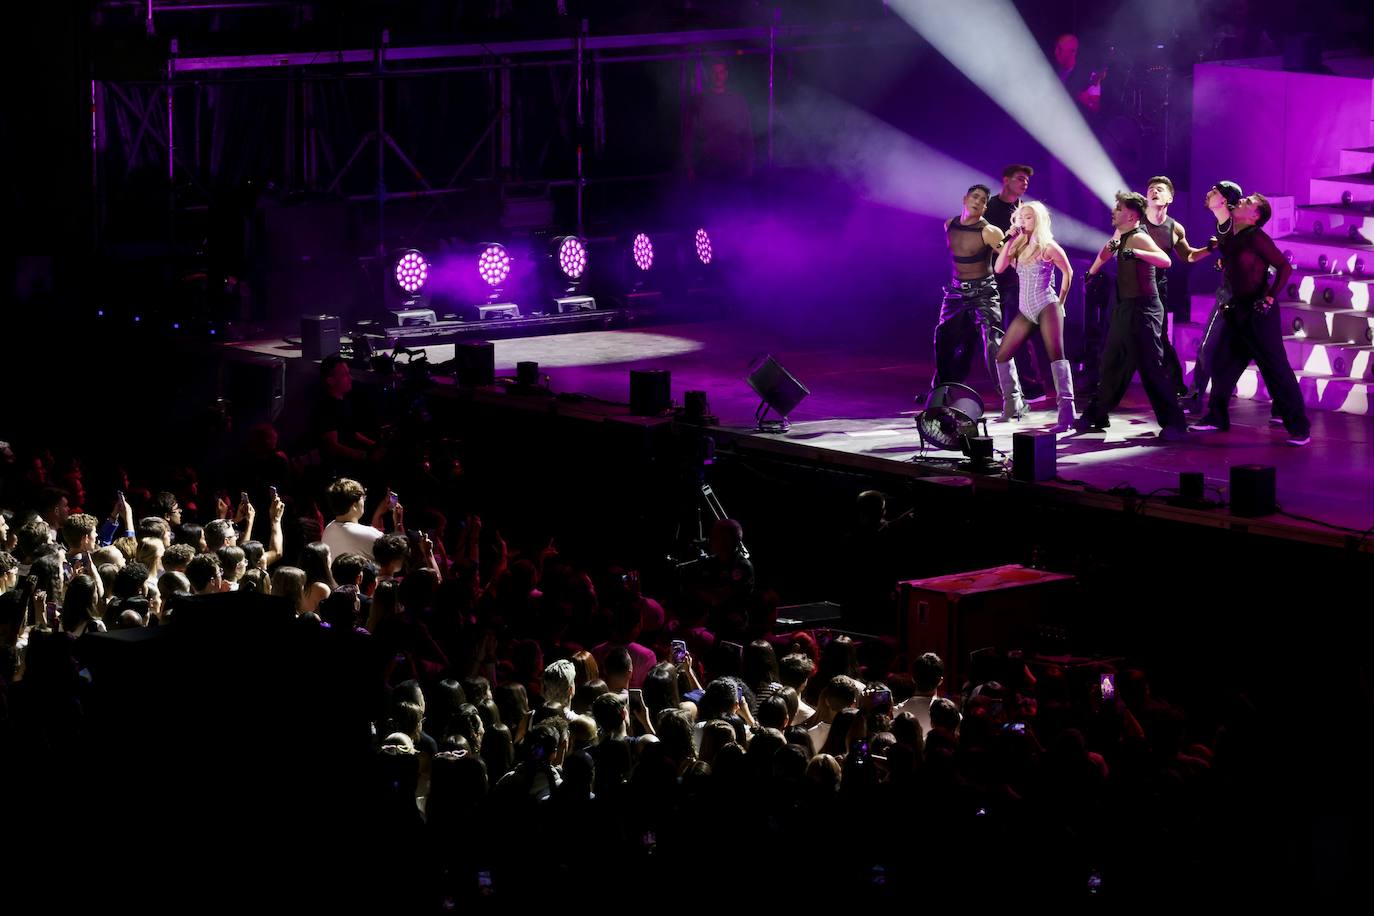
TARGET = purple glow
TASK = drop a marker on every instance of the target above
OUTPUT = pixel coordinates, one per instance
(493, 264)
(643, 252)
(703, 247)
(572, 257)
(411, 271)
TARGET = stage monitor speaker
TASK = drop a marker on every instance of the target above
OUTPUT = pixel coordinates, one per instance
(474, 363)
(1253, 490)
(650, 392)
(778, 388)
(319, 336)
(1032, 455)
(957, 614)
(255, 384)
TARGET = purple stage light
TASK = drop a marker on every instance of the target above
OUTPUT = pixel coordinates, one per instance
(493, 264)
(643, 252)
(572, 257)
(412, 270)
(703, 247)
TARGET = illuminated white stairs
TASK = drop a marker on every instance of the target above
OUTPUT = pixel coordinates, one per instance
(1326, 310)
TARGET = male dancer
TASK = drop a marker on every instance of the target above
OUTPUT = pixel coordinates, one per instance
(1222, 199)
(1250, 325)
(1015, 181)
(1134, 340)
(971, 310)
(1169, 235)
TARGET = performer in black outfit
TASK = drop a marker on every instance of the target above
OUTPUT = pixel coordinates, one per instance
(1169, 235)
(1250, 325)
(1134, 340)
(1222, 199)
(971, 313)
(1015, 182)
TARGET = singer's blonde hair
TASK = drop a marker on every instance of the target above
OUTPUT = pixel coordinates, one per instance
(1038, 241)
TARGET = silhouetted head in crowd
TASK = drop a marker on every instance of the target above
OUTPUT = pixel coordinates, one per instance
(131, 581)
(347, 569)
(944, 714)
(176, 557)
(341, 609)
(928, 670)
(661, 689)
(773, 712)
(617, 669)
(315, 561)
(674, 730)
(78, 532)
(513, 702)
(154, 527)
(345, 499)
(390, 552)
(760, 664)
(204, 573)
(193, 535)
(611, 715)
(220, 533)
(721, 698)
(288, 582)
(30, 536)
(870, 507)
(166, 507)
(233, 562)
(559, 678)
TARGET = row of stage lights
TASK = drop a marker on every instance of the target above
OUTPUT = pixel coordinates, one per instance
(569, 257)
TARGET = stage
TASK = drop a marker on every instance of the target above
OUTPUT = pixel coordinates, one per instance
(861, 409)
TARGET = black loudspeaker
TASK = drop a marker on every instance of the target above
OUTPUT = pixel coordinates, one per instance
(1032, 455)
(474, 363)
(779, 389)
(1191, 488)
(255, 384)
(527, 374)
(1253, 490)
(319, 336)
(650, 392)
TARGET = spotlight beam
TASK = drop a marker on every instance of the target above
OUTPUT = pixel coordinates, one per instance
(1018, 77)
(885, 164)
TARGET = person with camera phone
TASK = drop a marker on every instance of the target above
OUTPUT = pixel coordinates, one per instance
(346, 534)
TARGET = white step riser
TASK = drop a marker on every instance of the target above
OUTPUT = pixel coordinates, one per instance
(1354, 161)
(1338, 225)
(1332, 190)
(1336, 360)
(1340, 254)
(1343, 292)
(1344, 395)
(1353, 326)
(1314, 324)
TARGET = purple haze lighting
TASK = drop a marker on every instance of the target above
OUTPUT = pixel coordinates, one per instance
(572, 257)
(643, 252)
(493, 264)
(412, 270)
(703, 247)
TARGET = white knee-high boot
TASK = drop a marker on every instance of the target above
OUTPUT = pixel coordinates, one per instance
(1063, 389)
(1013, 405)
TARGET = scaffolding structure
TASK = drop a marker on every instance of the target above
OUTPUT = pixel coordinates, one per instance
(146, 111)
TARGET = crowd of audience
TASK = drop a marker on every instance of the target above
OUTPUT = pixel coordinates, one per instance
(527, 717)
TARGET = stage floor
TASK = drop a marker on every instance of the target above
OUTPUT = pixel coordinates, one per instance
(862, 406)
